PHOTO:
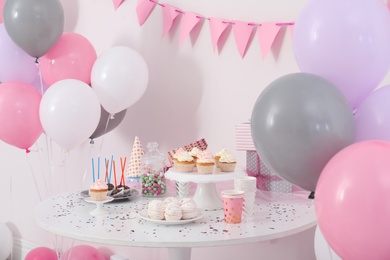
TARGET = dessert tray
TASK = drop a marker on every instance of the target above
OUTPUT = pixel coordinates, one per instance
(144, 215)
(133, 193)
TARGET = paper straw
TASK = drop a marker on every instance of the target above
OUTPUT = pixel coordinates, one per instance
(109, 177)
(114, 173)
(123, 170)
(93, 170)
(107, 162)
(98, 168)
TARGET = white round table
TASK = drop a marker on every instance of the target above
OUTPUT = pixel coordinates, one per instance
(276, 215)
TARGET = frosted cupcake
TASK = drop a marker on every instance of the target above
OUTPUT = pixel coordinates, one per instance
(227, 163)
(184, 163)
(98, 190)
(194, 153)
(218, 156)
(177, 153)
(205, 163)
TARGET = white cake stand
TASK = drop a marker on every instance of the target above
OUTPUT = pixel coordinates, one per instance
(206, 195)
(99, 206)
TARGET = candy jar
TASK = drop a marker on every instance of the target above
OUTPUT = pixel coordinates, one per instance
(153, 181)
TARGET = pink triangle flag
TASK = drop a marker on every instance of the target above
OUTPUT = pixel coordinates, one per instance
(242, 32)
(117, 3)
(217, 27)
(144, 8)
(169, 14)
(188, 22)
(267, 34)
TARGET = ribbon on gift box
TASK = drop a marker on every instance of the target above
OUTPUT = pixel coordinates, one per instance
(200, 144)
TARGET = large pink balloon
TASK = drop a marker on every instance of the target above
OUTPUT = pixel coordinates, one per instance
(372, 117)
(71, 58)
(83, 252)
(335, 39)
(352, 201)
(19, 114)
(41, 253)
(15, 63)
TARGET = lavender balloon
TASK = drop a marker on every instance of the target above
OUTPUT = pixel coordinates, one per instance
(346, 42)
(15, 64)
(372, 117)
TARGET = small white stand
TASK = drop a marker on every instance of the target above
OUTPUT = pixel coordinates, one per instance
(206, 195)
(99, 206)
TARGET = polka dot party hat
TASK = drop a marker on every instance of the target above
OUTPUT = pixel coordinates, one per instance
(134, 166)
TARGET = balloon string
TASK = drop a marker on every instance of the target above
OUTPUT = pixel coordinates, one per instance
(32, 172)
(111, 116)
(41, 166)
(40, 75)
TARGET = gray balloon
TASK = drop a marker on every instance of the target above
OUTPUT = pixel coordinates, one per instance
(34, 25)
(299, 122)
(103, 127)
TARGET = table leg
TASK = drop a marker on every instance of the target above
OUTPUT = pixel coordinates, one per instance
(179, 253)
(206, 196)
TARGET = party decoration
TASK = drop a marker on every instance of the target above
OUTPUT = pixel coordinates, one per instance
(119, 77)
(15, 63)
(267, 34)
(353, 192)
(334, 39)
(6, 241)
(242, 30)
(70, 112)
(35, 26)
(372, 118)
(117, 3)
(107, 123)
(72, 57)
(169, 14)
(42, 253)
(134, 166)
(82, 252)
(1, 10)
(19, 114)
(298, 123)
(242, 33)
(322, 250)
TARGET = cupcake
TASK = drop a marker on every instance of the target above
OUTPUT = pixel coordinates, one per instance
(156, 209)
(177, 153)
(205, 163)
(194, 153)
(98, 190)
(227, 163)
(185, 162)
(218, 156)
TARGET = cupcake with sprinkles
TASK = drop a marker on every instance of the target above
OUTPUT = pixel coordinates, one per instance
(205, 163)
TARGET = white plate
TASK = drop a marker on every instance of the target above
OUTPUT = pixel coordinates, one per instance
(133, 193)
(144, 215)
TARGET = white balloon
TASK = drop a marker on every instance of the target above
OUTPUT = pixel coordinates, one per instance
(322, 250)
(69, 112)
(119, 77)
(6, 241)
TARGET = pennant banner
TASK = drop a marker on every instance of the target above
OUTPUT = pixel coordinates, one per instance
(243, 31)
(117, 3)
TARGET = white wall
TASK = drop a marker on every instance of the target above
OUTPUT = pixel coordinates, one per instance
(192, 93)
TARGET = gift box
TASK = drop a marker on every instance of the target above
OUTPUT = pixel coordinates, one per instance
(266, 179)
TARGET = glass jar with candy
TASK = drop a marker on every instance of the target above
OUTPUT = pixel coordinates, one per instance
(153, 182)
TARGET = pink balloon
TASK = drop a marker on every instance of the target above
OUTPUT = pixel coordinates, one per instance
(372, 117)
(82, 252)
(352, 201)
(19, 114)
(71, 58)
(334, 39)
(41, 253)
